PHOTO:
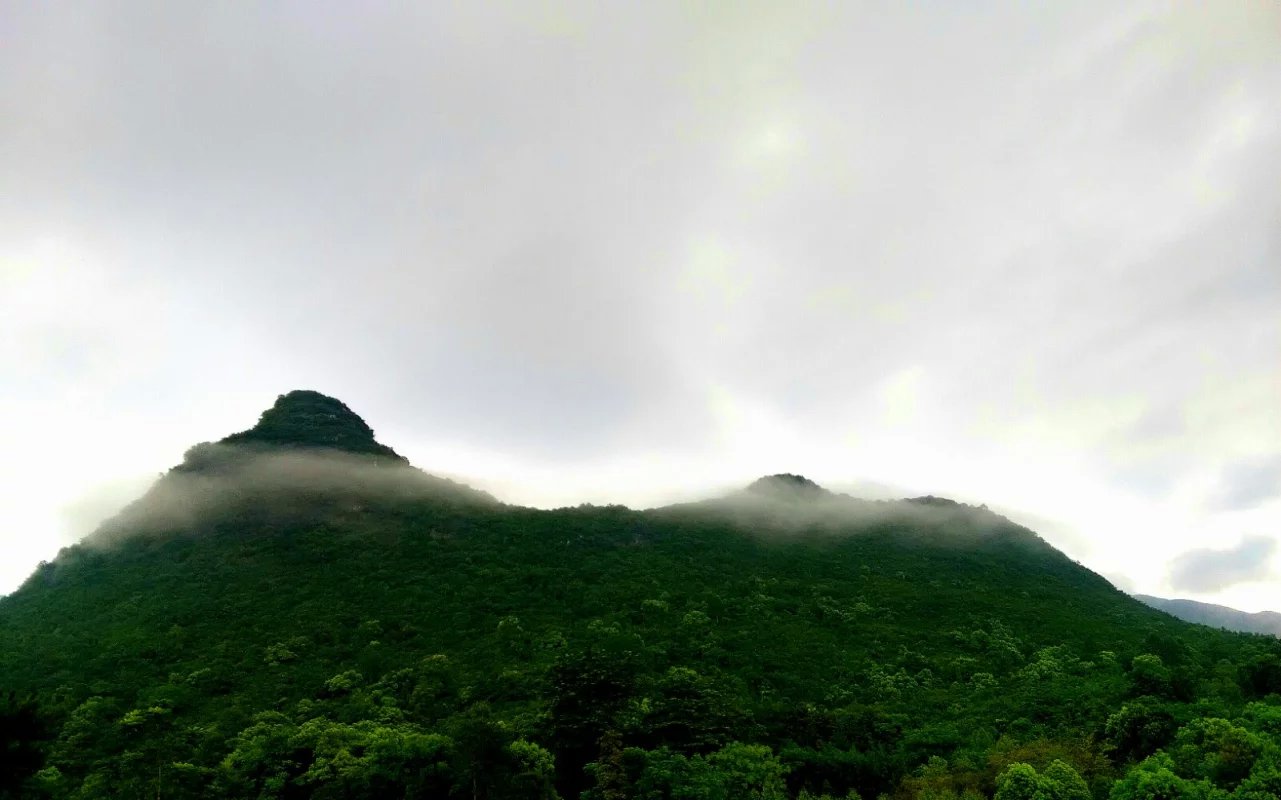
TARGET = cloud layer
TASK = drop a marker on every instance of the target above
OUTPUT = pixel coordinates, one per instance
(1209, 570)
(1021, 256)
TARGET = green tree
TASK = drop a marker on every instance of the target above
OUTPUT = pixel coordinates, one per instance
(264, 758)
(1060, 781)
(692, 711)
(750, 772)
(534, 771)
(21, 733)
(483, 763)
(1261, 676)
(1065, 783)
(1149, 676)
(1155, 779)
(1019, 782)
(321, 758)
(1264, 782)
(608, 770)
(1139, 729)
(589, 689)
(669, 775)
(1217, 750)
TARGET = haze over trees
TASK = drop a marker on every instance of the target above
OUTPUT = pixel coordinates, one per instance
(296, 612)
(1217, 616)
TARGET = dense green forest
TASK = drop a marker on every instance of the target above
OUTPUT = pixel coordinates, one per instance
(295, 612)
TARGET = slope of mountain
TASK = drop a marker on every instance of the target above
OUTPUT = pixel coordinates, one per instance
(297, 612)
(1216, 616)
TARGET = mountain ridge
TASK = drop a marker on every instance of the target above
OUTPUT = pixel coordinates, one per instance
(1215, 615)
(324, 623)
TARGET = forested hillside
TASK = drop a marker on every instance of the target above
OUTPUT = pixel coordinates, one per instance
(295, 612)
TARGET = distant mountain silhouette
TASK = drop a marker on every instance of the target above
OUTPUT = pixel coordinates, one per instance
(1217, 616)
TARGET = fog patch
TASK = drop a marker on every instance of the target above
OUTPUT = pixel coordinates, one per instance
(791, 505)
(872, 490)
(86, 512)
(215, 480)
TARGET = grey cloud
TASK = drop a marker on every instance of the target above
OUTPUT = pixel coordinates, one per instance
(1247, 484)
(1161, 422)
(1208, 570)
(490, 213)
(1153, 480)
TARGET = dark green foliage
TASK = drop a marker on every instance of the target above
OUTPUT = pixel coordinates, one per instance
(1261, 676)
(22, 731)
(1139, 729)
(608, 773)
(306, 419)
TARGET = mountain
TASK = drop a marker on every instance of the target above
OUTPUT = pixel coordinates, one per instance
(786, 486)
(309, 419)
(1268, 622)
(308, 453)
(296, 611)
(301, 421)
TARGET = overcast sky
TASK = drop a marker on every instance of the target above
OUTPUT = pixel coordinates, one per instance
(1026, 255)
